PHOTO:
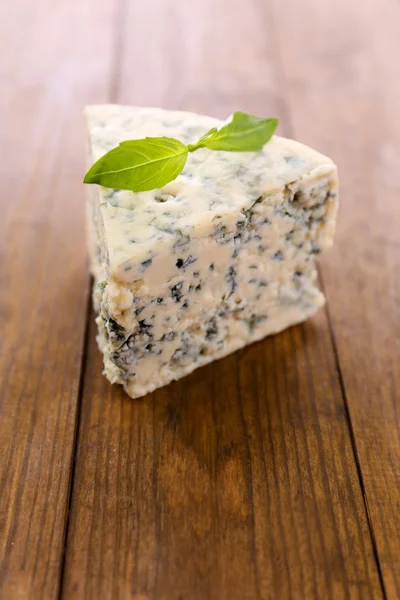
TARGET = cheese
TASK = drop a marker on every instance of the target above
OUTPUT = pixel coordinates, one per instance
(217, 259)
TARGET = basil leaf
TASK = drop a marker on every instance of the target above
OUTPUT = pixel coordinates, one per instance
(140, 165)
(244, 133)
(151, 163)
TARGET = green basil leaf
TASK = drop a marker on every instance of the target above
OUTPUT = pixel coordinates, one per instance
(243, 133)
(140, 165)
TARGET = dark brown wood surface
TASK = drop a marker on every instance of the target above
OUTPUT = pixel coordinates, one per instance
(50, 67)
(354, 99)
(274, 473)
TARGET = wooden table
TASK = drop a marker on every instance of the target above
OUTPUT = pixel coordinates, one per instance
(274, 473)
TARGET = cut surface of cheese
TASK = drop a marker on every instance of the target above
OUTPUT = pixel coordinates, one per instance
(217, 259)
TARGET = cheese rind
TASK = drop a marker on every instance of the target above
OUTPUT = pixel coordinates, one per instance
(220, 257)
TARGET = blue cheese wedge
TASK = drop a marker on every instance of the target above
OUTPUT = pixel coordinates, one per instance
(217, 259)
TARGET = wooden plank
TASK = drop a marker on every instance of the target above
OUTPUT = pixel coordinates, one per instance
(51, 66)
(346, 78)
(219, 488)
(238, 482)
(181, 493)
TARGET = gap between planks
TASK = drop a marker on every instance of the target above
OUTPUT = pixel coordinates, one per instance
(352, 436)
(76, 436)
(118, 47)
(264, 8)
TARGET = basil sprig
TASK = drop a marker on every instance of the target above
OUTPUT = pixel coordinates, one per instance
(151, 163)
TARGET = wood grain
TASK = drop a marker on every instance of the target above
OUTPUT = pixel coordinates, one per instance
(346, 78)
(238, 482)
(230, 484)
(45, 79)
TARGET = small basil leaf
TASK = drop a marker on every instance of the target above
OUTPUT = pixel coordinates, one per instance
(243, 133)
(140, 165)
